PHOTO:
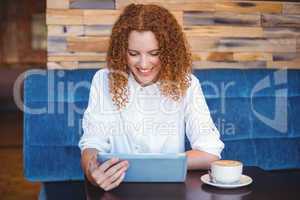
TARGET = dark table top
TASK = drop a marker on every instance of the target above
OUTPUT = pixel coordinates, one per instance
(279, 184)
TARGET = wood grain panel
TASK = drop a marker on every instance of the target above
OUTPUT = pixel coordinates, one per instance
(257, 45)
(284, 64)
(108, 17)
(97, 30)
(252, 56)
(179, 5)
(285, 56)
(223, 31)
(87, 44)
(179, 17)
(238, 65)
(212, 56)
(92, 65)
(195, 18)
(92, 4)
(249, 7)
(201, 44)
(242, 44)
(73, 57)
(56, 44)
(65, 30)
(63, 65)
(58, 4)
(291, 8)
(269, 20)
(64, 17)
(281, 32)
(103, 17)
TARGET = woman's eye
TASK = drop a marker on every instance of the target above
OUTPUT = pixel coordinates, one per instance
(132, 54)
(155, 54)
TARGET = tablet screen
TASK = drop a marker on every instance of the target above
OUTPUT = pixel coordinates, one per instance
(152, 167)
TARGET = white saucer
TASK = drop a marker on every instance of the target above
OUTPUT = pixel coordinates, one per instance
(245, 180)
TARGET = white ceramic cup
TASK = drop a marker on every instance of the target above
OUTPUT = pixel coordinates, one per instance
(226, 171)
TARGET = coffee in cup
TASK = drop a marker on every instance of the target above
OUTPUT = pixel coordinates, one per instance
(226, 171)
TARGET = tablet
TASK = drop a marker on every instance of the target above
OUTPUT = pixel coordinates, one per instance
(151, 167)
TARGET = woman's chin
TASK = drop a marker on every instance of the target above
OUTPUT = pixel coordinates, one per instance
(145, 82)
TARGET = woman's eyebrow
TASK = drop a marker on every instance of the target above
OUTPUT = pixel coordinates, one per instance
(148, 51)
(153, 50)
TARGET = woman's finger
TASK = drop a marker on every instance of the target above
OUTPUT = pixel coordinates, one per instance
(112, 170)
(119, 173)
(110, 179)
(116, 183)
(107, 164)
(93, 165)
(99, 176)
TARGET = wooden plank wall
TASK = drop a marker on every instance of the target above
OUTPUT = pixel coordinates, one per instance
(222, 34)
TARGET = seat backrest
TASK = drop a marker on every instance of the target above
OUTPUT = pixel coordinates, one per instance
(54, 101)
(254, 110)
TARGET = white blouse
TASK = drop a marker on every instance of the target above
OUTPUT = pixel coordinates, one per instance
(150, 123)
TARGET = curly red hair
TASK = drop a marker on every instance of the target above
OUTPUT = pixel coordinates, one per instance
(175, 56)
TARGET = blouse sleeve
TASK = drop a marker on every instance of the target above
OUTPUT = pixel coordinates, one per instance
(93, 122)
(200, 128)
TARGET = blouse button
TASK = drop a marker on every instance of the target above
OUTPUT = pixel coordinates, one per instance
(136, 147)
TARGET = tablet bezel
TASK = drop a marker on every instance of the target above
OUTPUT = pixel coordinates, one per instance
(142, 165)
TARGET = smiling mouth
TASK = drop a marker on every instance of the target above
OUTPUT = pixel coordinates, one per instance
(145, 71)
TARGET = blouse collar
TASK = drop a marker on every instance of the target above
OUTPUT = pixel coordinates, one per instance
(152, 88)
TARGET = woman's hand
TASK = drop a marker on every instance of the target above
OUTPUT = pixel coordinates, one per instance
(199, 159)
(107, 175)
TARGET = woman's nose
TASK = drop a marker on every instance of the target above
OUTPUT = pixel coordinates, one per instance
(143, 61)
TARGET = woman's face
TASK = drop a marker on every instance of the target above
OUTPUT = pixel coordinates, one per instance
(143, 57)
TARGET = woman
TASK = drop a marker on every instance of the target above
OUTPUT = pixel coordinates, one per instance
(147, 98)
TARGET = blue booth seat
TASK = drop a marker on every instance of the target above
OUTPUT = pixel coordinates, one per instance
(254, 110)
